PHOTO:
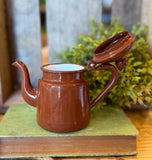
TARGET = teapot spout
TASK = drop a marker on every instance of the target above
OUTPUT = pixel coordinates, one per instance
(28, 92)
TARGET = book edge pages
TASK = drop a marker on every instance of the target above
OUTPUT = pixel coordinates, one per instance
(68, 147)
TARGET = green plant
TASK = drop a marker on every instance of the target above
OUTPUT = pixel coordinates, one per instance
(135, 80)
(42, 2)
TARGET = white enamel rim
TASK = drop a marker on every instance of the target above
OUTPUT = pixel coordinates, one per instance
(63, 67)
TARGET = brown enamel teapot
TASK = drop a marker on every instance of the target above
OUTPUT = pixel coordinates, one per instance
(62, 97)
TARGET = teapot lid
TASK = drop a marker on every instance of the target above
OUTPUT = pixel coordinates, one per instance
(114, 47)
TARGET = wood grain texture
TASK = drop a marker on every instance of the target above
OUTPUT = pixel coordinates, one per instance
(67, 19)
(108, 133)
(146, 13)
(143, 122)
(68, 146)
(1, 117)
(5, 67)
(127, 11)
(1, 97)
(24, 26)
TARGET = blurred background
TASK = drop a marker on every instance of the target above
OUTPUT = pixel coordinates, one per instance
(34, 31)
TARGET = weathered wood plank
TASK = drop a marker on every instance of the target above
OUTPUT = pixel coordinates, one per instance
(25, 24)
(127, 11)
(5, 71)
(146, 18)
(1, 97)
(67, 19)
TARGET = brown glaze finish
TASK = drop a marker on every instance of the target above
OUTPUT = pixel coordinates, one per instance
(65, 96)
(63, 106)
(122, 62)
(28, 92)
(114, 48)
(109, 85)
(62, 97)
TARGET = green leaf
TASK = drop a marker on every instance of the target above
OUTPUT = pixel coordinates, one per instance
(134, 83)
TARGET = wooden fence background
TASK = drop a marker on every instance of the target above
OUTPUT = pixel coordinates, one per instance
(5, 71)
(21, 35)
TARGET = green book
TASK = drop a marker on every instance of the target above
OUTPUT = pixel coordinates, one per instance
(109, 132)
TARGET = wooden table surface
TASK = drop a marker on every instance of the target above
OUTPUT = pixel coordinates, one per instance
(143, 122)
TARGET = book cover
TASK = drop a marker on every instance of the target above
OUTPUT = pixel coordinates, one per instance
(109, 132)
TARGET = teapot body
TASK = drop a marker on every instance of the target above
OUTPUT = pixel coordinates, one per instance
(62, 97)
(63, 101)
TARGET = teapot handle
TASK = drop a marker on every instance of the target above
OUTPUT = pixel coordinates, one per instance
(109, 85)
